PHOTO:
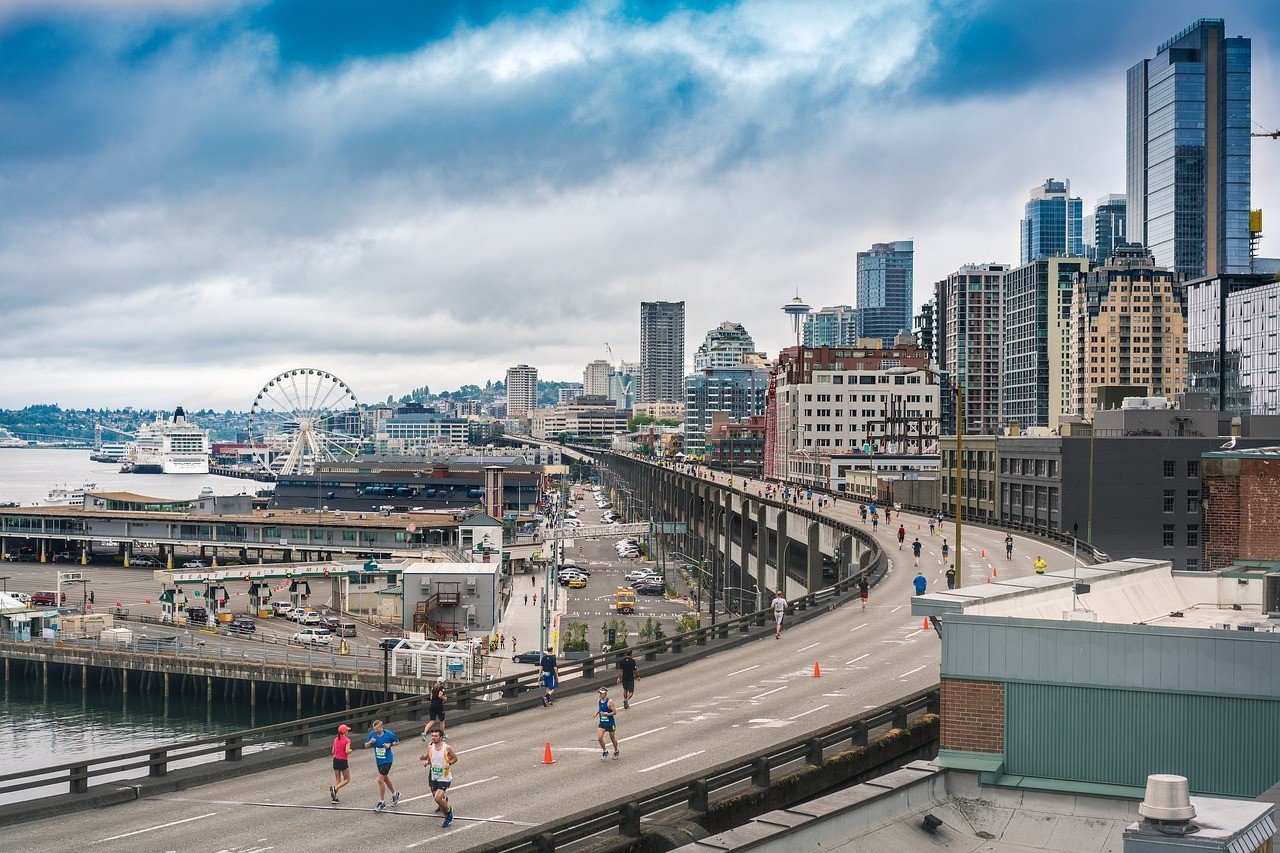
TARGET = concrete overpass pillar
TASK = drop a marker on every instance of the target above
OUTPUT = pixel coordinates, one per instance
(845, 564)
(813, 558)
(780, 555)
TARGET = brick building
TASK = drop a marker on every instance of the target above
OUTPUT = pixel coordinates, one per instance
(1241, 506)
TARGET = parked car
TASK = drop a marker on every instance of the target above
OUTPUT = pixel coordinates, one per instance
(390, 642)
(527, 657)
(638, 574)
(652, 589)
(312, 637)
(339, 627)
(11, 558)
(143, 560)
(648, 579)
(21, 596)
(577, 583)
(194, 564)
(282, 608)
(310, 617)
(48, 598)
(198, 615)
(242, 625)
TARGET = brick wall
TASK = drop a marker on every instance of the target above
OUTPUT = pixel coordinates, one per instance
(1220, 497)
(973, 715)
(1241, 510)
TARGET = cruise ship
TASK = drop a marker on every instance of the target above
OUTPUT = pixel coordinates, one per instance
(169, 446)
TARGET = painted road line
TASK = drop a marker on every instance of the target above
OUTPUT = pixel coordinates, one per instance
(896, 609)
(912, 672)
(154, 828)
(672, 761)
(453, 831)
(858, 658)
(856, 627)
(810, 646)
(774, 690)
(482, 746)
(642, 701)
(740, 671)
(451, 788)
(642, 734)
(808, 712)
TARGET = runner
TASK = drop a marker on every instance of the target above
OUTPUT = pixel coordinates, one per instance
(951, 577)
(513, 645)
(875, 522)
(627, 678)
(779, 605)
(862, 509)
(1008, 546)
(440, 758)
(1040, 564)
(382, 739)
(939, 519)
(932, 525)
(606, 722)
(920, 583)
(341, 762)
(902, 535)
(946, 549)
(864, 590)
(435, 709)
(550, 676)
(915, 549)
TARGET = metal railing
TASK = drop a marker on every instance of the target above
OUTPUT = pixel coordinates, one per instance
(696, 790)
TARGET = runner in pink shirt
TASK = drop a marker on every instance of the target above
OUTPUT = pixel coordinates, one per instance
(341, 763)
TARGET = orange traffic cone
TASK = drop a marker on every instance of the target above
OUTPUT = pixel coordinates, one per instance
(917, 528)
(983, 553)
(924, 626)
(817, 670)
(546, 754)
(988, 578)
(995, 571)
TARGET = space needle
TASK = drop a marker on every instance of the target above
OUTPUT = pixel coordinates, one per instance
(797, 310)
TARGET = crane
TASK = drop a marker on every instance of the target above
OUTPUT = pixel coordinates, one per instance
(609, 350)
(1270, 134)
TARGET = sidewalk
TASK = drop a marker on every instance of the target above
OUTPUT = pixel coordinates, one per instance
(520, 623)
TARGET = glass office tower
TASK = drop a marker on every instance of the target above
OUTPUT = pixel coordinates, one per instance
(885, 290)
(1188, 152)
(1051, 224)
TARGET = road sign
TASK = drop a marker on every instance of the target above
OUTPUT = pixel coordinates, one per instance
(70, 577)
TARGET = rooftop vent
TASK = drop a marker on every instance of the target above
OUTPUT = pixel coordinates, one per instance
(1167, 804)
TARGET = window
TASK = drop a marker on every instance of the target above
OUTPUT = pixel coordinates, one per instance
(1193, 500)
(1170, 498)
(1193, 564)
(1167, 541)
(1170, 468)
(1193, 468)
(1193, 536)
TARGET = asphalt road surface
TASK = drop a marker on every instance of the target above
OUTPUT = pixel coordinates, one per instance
(689, 718)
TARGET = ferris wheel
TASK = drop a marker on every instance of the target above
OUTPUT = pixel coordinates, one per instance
(302, 417)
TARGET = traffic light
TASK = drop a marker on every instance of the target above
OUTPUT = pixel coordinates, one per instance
(613, 636)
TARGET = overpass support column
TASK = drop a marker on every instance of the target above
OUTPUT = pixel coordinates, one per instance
(780, 555)
(844, 565)
(813, 558)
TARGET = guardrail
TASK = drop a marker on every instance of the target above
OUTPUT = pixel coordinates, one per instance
(696, 790)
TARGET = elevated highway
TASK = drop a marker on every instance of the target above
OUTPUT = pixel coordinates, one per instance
(734, 702)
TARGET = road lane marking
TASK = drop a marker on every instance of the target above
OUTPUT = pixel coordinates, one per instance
(642, 734)
(896, 609)
(642, 701)
(856, 627)
(808, 712)
(912, 672)
(672, 761)
(810, 646)
(154, 828)
(452, 788)
(482, 746)
(450, 832)
(858, 658)
(740, 671)
(775, 690)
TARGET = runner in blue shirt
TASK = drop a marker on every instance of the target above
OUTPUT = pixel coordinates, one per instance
(606, 723)
(920, 583)
(381, 739)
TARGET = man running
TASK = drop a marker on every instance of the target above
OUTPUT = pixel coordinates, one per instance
(382, 739)
(939, 519)
(1008, 546)
(606, 722)
(779, 605)
(862, 510)
(439, 759)
(1040, 564)
(902, 535)
(951, 577)
(627, 678)
(550, 676)
(915, 550)
(341, 763)
(920, 583)
(435, 709)
(875, 522)
(864, 590)
(932, 525)
(946, 549)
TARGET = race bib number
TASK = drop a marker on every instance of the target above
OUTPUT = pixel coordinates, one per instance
(379, 752)
(605, 719)
(437, 772)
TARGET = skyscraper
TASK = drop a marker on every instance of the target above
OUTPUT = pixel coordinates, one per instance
(1105, 228)
(972, 339)
(725, 346)
(884, 293)
(835, 326)
(1051, 222)
(661, 352)
(522, 390)
(595, 378)
(738, 392)
(1188, 158)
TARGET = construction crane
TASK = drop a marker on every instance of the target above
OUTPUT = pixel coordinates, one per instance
(609, 350)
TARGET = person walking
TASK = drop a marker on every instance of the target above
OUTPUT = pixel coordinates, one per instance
(864, 590)
(513, 645)
(627, 677)
(439, 760)
(920, 583)
(606, 723)
(946, 550)
(526, 599)
(550, 676)
(382, 739)
(915, 550)
(1040, 564)
(902, 535)
(341, 763)
(951, 577)
(435, 709)
(779, 605)
(1008, 546)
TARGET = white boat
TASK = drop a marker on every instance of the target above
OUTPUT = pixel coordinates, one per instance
(67, 496)
(8, 439)
(111, 451)
(169, 446)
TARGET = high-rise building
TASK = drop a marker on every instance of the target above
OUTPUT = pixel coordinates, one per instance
(1188, 160)
(1051, 222)
(568, 392)
(925, 326)
(836, 326)
(522, 390)
(1128, 329)
(1105, 228)
(973, 297)
(738, 392)
(622, 384)
(885, 292)
(1036, 370)
(661, 352)
(1233, 342)
(595, 378)
(725, 346)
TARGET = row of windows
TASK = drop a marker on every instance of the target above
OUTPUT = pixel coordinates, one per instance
(1170, 533)
(1170, 468)
(1171, 500)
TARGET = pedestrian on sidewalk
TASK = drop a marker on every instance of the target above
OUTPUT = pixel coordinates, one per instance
(526, 599)
(535, 599)
(341, 763)
(502, 640)
(864, 590)
(513, 645)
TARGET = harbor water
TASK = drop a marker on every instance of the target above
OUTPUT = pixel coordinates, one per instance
(27, 475)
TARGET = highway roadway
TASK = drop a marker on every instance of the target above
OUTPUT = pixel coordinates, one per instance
(733, 702)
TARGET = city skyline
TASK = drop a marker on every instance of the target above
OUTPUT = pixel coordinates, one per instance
(199, 196)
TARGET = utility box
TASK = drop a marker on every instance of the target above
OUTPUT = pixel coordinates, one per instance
(116, 635)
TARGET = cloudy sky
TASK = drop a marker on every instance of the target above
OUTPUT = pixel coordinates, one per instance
(198, 194)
